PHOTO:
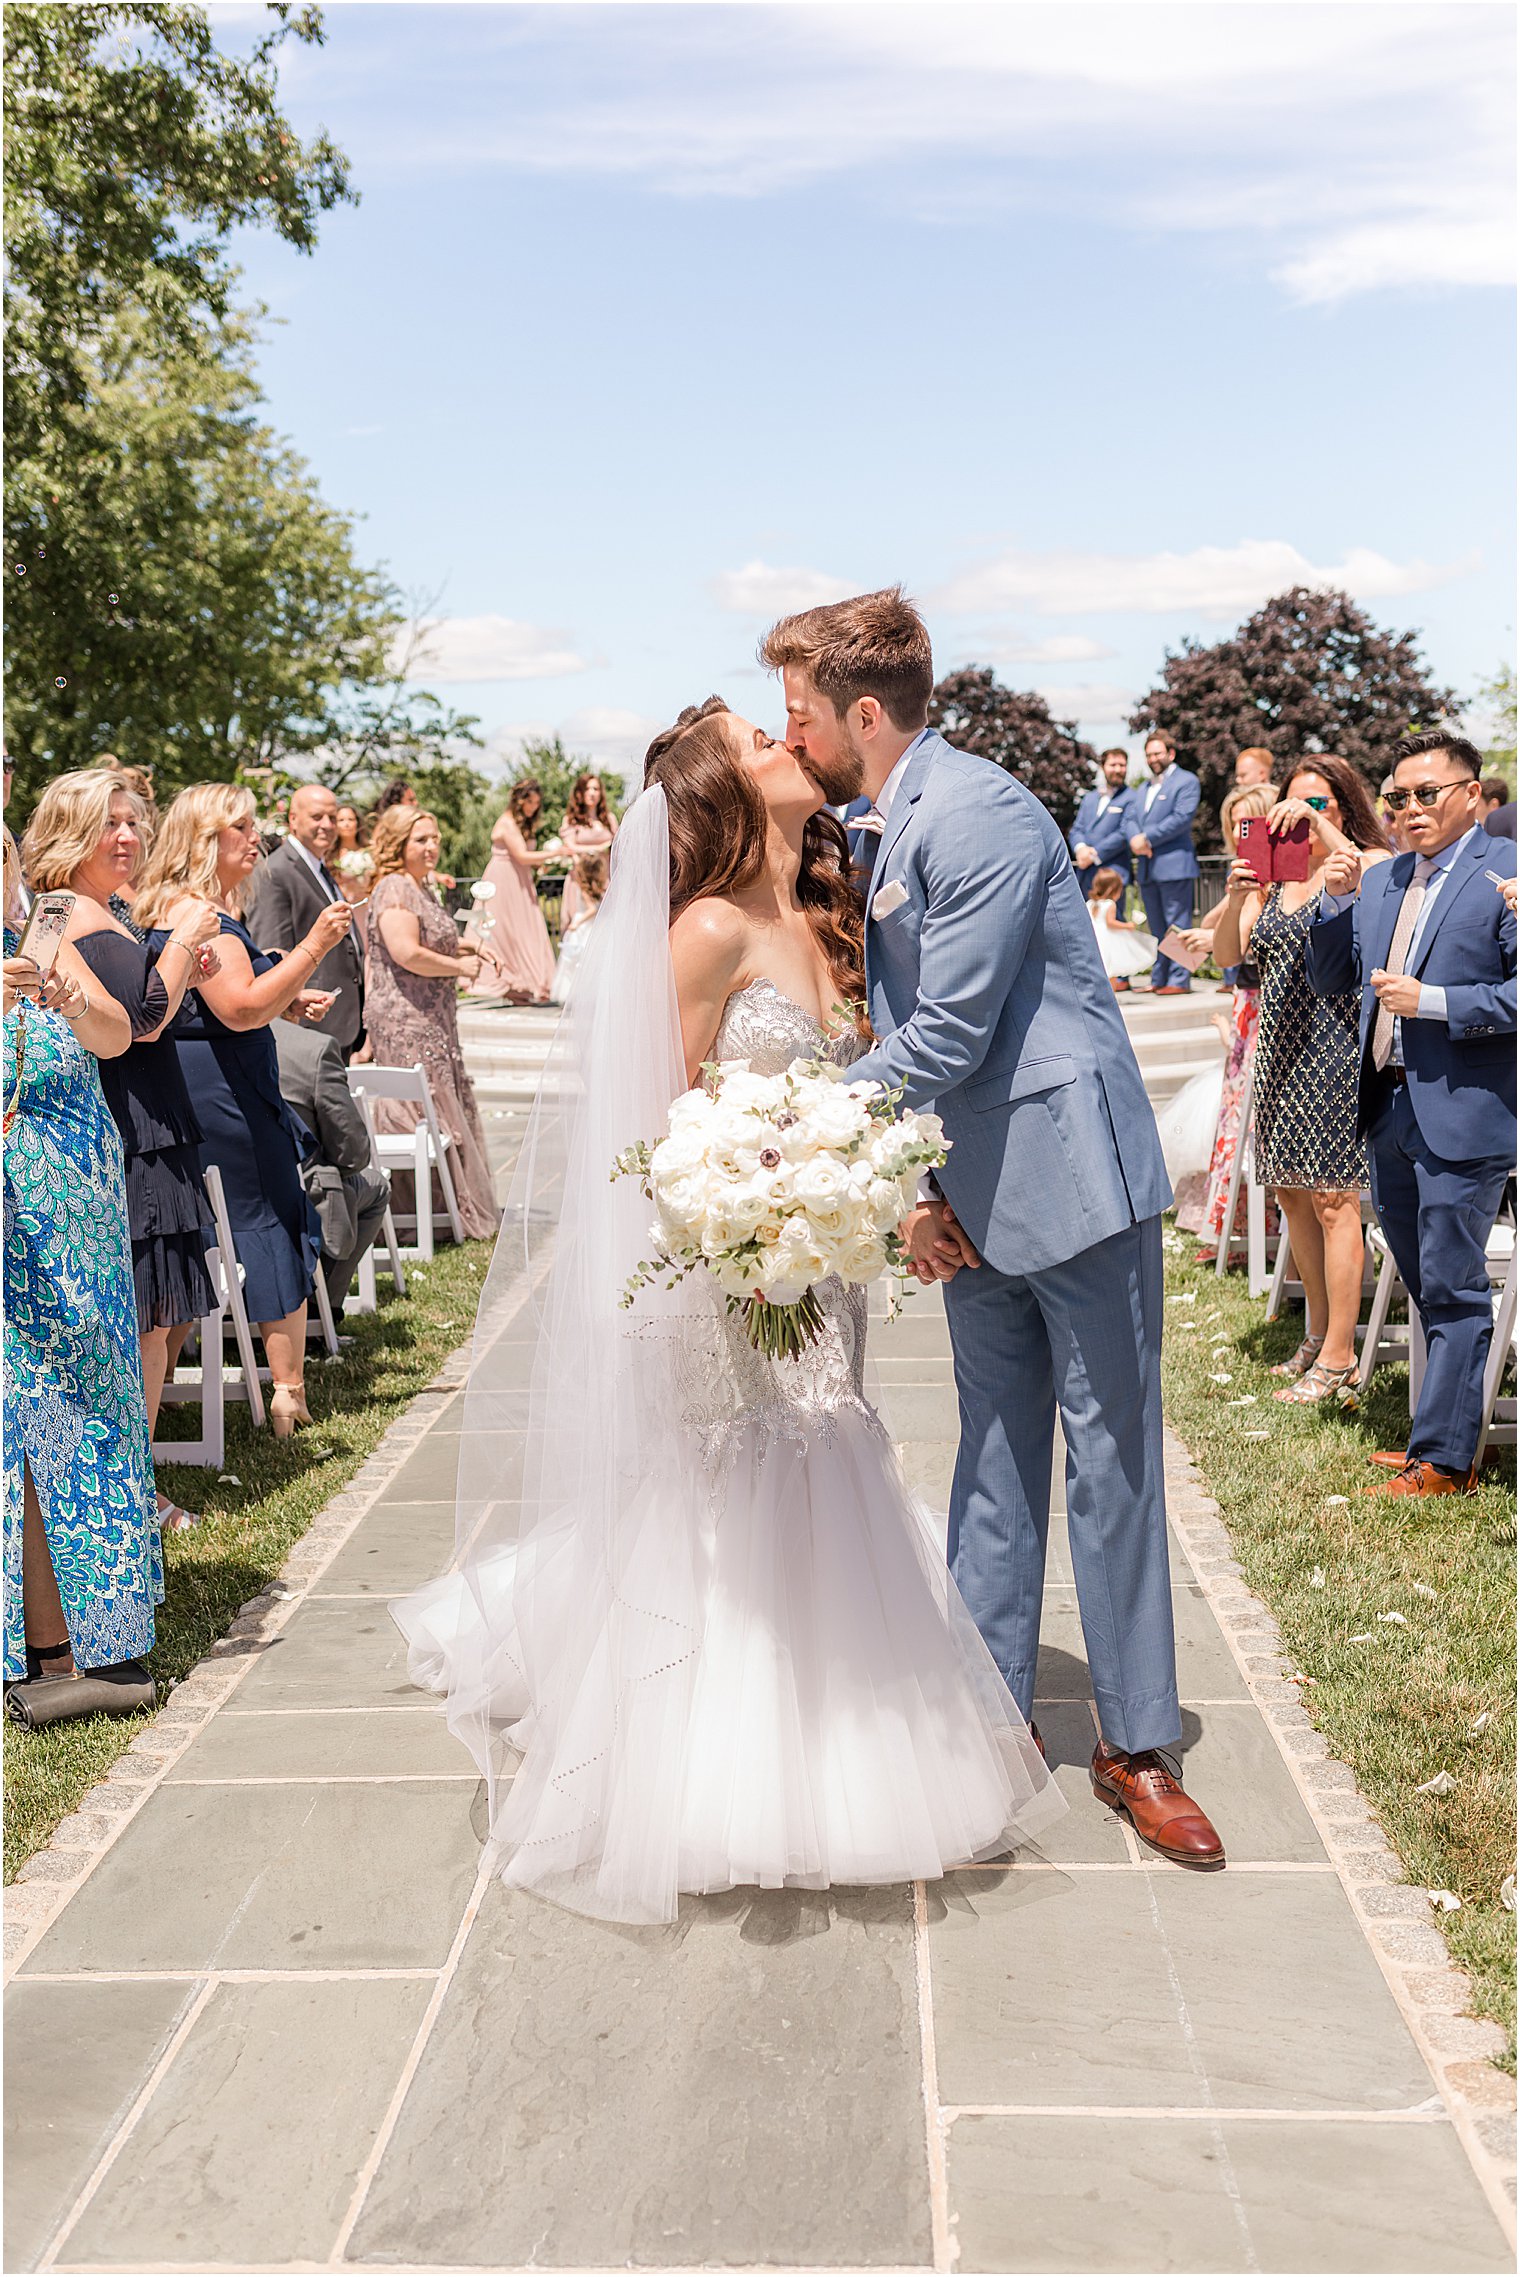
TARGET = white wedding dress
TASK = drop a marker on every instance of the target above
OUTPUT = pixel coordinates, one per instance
(733, 1655)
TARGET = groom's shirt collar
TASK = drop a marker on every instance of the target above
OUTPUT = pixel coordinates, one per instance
(893, 783)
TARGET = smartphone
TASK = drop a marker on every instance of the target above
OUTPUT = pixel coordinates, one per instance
(43, 932)
(1277, 860)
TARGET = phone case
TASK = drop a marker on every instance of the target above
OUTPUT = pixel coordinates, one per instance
(46, 924)
(1276, 861)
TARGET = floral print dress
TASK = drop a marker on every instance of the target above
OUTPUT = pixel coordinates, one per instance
(73, 1390)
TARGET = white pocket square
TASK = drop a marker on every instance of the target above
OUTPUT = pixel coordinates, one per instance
(890, 897)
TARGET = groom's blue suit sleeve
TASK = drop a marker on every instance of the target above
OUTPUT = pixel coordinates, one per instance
(981, 872)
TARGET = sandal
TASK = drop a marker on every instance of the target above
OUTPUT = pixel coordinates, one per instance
(1320, 1384)
(1303, 1359)
(38, 1655)
(287, 1408)
(172, 1519)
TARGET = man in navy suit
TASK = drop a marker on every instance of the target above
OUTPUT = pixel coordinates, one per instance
(1099, 838)
(1430, 942)
(1161, 838)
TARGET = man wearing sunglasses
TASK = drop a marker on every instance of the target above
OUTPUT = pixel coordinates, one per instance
(1432, 948)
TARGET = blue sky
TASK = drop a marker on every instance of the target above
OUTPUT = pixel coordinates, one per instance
(1092, 324)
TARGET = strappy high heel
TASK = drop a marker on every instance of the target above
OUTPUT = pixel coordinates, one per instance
(287, 1409)
(1303, 1359)
(1320, 1385)
(173, 1519)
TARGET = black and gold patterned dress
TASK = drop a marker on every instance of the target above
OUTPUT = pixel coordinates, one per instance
(1307, 1055)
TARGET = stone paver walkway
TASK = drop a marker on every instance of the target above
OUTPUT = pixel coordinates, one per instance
(284, 2023)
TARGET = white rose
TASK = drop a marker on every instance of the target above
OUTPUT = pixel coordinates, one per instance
(860, 1261)
(884, 1200)
(822, 1183)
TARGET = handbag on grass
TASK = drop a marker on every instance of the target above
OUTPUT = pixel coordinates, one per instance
(121, 1690)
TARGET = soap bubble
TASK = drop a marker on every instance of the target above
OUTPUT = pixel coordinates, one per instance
(113, 598)
(60, 682)
(21, 569)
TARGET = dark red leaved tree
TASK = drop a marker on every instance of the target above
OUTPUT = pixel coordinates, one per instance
(1014, 727)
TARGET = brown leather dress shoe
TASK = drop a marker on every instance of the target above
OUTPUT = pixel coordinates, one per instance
(1393, 1459)
(1148, 1792)
(1425, 1480)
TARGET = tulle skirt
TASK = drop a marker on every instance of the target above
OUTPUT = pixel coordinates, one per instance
(790, 1692)
(1125, 953)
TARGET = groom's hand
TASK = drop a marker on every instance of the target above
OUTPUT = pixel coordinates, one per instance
(937, 1247)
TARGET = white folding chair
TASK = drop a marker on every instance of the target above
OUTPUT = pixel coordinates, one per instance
(1499, 1415)
(1381, 1339)
(213, 1383)
(367, 1297)
(324, 1321)
(1243, 1172)
(421, 1150)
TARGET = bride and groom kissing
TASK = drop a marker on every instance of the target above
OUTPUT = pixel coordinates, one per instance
(715, 1643)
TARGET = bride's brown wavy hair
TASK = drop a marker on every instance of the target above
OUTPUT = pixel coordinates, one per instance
(718, 834)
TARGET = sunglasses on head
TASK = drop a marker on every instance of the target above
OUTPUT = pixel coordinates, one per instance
(1426, 793)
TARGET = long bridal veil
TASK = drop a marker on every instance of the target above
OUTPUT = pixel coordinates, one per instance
(697, 1633)
(567, 1635)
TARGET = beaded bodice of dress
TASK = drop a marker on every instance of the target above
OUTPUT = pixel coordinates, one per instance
(762, 1026)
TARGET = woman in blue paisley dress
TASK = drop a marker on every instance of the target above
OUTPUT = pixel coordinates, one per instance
(83, 1562)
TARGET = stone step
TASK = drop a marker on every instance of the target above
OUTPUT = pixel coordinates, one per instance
(1164, 1081)
(1170, 1044)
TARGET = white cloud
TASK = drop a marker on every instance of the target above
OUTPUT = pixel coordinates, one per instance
(603, 733)
(1017, 648)
(1348, 147)
(757, 590)
(493, 648)
(1213, 582)
(1091, 701)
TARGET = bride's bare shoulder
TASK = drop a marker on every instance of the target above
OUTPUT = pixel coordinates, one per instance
(710, 932)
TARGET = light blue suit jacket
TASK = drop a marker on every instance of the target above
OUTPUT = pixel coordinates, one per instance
(1168, 826)
(991, 1003)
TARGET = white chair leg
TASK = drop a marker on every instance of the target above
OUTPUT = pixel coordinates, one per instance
(423, 1180)
(1498, 1355)
(450, 1198)
(325, 1311)
(1279, 1272)
(365, 1298)
(1377, 1319)
(392, 1243)
(1256, 1235)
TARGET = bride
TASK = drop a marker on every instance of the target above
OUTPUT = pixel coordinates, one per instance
(706, 1639)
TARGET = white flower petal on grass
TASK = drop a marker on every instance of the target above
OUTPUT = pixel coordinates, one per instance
(1441, 1784)
(1258, 1434)
(1423, 1589)
(1481, 1722)
(1394, 1620)
(1221, 1379)
(1246, 1399)
(1336, 1501)
(1364, 1636)
(228, 1478)
(1317, 1578)
(1507, 1893)
(1444, 1901)
(1187, 1297)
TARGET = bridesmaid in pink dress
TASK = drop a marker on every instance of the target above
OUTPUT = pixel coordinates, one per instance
(589, 827)
(516, 958)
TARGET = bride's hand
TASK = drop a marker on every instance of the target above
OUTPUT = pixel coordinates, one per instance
(937, 1248)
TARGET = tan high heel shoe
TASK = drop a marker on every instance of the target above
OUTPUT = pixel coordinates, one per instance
(287, 1408)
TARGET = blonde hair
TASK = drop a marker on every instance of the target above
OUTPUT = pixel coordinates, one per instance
(72, 816)
(387, 845)
(183, 859)
(1107, 885)
(1255, 798)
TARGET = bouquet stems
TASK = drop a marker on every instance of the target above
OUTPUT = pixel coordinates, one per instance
(783, 1332)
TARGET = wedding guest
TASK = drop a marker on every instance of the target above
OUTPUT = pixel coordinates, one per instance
(1393, 823)
(1426, 950)
(1498, 815)
(208, 846)
(87, 837)
(350, 861)
(1161, 837)
(289, 890)
(516, 958)
(397, 792)
(342, 1184)
(1125, 949)
(83, 1558)
(590, 874)
(1099, 836)
(1240, 1050)
(1308, 1146)
(1254, 768)
(589, 827)
(415, 967)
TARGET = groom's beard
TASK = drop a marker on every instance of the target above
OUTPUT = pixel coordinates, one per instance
(840, 779)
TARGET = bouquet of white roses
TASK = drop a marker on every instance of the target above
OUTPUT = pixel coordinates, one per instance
(773, 1182)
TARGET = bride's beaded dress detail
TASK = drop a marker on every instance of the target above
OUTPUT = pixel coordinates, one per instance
(810, 1702)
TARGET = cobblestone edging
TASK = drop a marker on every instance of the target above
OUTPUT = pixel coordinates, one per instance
(44, 1885)
(1433, 1994)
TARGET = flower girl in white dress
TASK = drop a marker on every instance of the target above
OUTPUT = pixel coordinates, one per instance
(715, 1642)
(1125, 949)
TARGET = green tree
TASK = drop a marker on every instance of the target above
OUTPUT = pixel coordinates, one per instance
(1308, 672)
(1496, 697)
(134, 146)
(554, 769)
(1015, 727)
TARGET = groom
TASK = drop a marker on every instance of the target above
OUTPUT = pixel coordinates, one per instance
(990, 1002)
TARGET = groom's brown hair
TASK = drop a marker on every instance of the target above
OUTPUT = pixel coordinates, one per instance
(875, 645)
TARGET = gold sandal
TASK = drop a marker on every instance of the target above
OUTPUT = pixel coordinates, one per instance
(1320, 1384)
(1303, 1359)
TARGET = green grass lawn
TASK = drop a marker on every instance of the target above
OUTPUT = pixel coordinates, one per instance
(1402, 1706)
(250, 1526)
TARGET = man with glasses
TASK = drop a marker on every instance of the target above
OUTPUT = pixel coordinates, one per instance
(1432, 948)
